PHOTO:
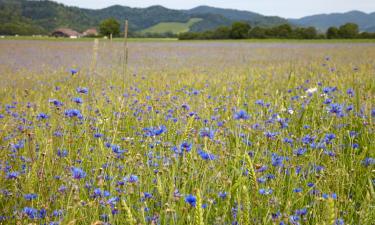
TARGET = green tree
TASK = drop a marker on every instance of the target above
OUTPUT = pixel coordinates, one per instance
(282, 31)
(332, 33)
(239, 30)
(109, 26)
(305, 33)
(258, 32)
(222, 32)
(349, 30)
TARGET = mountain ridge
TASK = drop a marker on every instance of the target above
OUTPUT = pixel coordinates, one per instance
(42, 17)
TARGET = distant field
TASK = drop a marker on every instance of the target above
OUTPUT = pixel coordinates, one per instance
(175, 39)
(175, 28)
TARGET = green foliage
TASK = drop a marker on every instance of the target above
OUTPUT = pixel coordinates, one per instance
(109, 27)
(239, 30)
(332, 33)
(242, 30)
(349, 30)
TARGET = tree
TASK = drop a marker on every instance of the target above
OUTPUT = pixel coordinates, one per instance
(258, 32)
(332, 33)
(222, 32)
(109, 26)
(239, 30)
(305, 33)
(349, 30)
(282, 31)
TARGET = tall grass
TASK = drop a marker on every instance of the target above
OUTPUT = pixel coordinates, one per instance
(202, 134)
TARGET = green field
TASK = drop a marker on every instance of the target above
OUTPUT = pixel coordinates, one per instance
(199, 133)
(173, 27)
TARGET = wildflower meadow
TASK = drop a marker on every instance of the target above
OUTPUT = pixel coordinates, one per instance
(187, 133)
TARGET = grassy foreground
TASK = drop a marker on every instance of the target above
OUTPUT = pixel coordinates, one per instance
(231, 135)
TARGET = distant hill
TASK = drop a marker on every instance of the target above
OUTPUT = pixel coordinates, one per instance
(366, 22)
(254, 19)
(27, 17)
(42, 17)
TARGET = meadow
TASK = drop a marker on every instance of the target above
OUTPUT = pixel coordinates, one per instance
(187, 133)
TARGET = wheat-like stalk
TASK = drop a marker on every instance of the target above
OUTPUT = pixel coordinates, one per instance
(329, 218)
(129, 216)
(252, 175)
(159, 185)
(198, 216)
(245, 205)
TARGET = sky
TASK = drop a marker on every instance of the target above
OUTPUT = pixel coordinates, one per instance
(283, 8)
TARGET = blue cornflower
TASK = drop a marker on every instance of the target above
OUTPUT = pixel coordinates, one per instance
(294, 219)
(271, 135)
(42, 116)
(77, 100)
(73, 113)
(155, 131)
(350, 92)
(329, 137)
(335, 108)
(207, 132)
(339, 222)
(300, 151)
(147, 195)
(133, 179)
(222, 195)
(308, 139)
(78, 173)
(73, 71)
(30, 212)
(241, 115)
(98, 135)
(82, 90)
(206, 156)
(185, 146)
(58, 213)
(259, 102)
(349, 108)
(30, 197)
(12, 175)
(42, 213)
(265, 191)
(191, 199)
(56, 102)
(97, 193)
(288, 140)
(62, 153)
(297, 190)
(185, 107)
(368, 162)
(117, 149)
(327, 101)
(301, 212)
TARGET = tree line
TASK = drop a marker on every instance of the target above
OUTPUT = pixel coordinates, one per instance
(242, 30)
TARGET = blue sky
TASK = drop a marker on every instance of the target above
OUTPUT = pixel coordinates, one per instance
(284, 8)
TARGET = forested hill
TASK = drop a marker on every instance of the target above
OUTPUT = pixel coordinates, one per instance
(25, 17)
(41, 17)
